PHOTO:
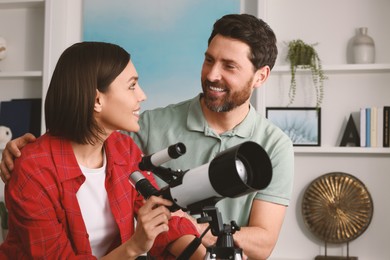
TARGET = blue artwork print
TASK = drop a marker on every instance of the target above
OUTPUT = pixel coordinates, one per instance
(302, 125)
(166, 39)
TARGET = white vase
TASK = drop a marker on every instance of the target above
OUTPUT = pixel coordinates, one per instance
(363, 47)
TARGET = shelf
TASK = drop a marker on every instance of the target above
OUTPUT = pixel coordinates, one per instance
(342, 150)
(12, 4)
(20, 74)
(342, 68)
(23, 24)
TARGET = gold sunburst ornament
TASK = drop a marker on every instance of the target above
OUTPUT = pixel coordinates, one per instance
(337, 207)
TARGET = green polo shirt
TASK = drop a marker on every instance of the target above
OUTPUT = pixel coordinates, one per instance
(184, 122)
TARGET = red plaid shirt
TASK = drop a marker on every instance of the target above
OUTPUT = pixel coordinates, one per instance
(45, 220)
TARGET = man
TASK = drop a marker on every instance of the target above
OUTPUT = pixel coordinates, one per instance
(240, 55)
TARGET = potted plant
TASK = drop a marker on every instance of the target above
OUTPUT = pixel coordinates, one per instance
(304, 56)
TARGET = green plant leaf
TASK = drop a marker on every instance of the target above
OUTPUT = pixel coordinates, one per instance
(303, 55)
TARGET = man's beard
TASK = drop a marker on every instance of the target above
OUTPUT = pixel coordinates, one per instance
(230, 101)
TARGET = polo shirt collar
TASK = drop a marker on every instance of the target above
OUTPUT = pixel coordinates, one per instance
(195, 118)
(197, 122)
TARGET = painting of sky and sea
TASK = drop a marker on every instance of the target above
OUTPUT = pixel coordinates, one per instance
(166, 39)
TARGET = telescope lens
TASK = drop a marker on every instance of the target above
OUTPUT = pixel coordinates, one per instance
(180, 148)
(241, 170)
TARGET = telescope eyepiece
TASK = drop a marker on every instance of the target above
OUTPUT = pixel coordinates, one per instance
(176, 150)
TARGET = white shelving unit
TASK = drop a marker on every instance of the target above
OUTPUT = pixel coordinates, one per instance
(12, 4)
(341, 150)
(20, 74)
(22, 25)
(348, 88)
(340, 70)
(332, 71)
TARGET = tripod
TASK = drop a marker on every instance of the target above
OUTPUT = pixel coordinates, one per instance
(224, 247)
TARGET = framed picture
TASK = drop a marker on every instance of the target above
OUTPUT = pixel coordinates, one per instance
(301, 124)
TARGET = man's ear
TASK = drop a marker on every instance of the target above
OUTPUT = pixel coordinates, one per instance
(261, 76)
(98, 102)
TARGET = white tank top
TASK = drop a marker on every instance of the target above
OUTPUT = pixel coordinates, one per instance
(95, 209)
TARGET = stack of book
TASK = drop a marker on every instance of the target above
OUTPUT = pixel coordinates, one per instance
(374, 126)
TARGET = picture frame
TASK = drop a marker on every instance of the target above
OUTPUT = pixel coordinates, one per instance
(301, 124)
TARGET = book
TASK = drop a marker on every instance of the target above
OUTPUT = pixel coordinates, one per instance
(379, 127)
(386, 127)
(363, 127)
(374, 127)
(368, 127)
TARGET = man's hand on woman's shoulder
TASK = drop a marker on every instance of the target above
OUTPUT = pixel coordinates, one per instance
(12, 151)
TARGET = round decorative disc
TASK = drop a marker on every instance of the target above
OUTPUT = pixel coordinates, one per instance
(337, 207)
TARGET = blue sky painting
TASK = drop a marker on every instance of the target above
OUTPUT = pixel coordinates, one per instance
(166, 39)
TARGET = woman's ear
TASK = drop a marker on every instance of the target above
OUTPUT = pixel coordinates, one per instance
(261, 76)
(98, 101)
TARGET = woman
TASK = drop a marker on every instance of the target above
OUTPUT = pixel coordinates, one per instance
(71, 197)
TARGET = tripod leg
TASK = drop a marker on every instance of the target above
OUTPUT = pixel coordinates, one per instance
(223, 253)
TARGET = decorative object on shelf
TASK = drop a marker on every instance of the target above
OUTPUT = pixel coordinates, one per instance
(3, 48)
(5, 136)
(301, 124)
(337, 208)
(351, 135)
(363, 47)
(303, 55)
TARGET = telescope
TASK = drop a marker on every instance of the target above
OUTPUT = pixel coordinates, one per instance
(237, 171)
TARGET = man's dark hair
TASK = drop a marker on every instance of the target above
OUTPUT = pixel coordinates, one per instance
(254, 32)
(82, 69)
